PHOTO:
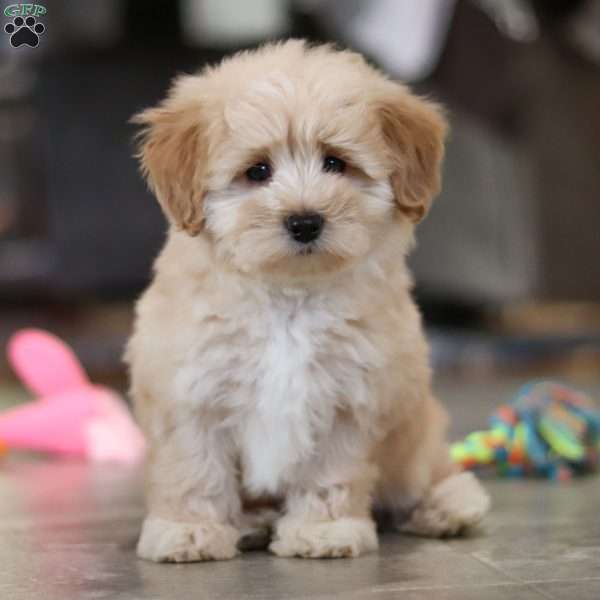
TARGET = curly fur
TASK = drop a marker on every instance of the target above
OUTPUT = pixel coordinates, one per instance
(261, 371)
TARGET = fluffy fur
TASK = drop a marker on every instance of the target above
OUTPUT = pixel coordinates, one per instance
(265, 373)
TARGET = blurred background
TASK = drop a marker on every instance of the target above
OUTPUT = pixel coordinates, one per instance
(508, 263)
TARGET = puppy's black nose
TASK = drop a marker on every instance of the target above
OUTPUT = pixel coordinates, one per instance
(306, 227)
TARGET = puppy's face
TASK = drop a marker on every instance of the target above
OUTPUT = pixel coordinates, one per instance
(293, 161)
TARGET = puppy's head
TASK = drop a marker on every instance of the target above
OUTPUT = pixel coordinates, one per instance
(293, 160)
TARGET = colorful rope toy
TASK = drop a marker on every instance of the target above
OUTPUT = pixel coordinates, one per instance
(548, 430)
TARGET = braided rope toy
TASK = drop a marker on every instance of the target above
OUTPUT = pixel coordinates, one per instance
(548, 430)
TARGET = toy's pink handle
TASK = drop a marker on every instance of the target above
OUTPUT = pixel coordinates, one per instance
(56, 426)
(45, 364)
(71, 416)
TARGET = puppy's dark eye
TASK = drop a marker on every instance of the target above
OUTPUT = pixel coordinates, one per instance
(333, 164)
(259, 172)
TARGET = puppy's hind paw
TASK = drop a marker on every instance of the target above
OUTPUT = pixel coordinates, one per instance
(342, 538)
(171, 541)
(452, 507)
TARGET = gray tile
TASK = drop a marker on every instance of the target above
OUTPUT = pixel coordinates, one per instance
(540, 531)
(475, 592)
(583, 589)
(68, 530)
(97, 561)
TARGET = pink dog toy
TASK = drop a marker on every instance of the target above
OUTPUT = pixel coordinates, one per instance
(71, 417)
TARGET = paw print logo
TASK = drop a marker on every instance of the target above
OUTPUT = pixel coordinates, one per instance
(24, 32)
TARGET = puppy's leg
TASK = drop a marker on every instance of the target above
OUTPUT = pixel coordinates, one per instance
(450, 507)
(193, 498)
(420, 486)
(328, 509)
(330, 522)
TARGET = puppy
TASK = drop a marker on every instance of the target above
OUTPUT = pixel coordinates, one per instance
(278, 353)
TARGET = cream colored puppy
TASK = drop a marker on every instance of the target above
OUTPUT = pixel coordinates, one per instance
(278, 353)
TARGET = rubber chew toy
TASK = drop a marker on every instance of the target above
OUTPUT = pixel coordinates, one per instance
(548, 430)
(71, 416)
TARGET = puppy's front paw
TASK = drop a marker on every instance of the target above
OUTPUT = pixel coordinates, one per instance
(341, 538)
(454, 505)
(172, 541)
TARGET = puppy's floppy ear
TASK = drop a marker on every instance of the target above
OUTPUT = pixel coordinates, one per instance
(414, 130)
(172, 151)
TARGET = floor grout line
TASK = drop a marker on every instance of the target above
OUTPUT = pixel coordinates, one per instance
(561, 580)
(533, 583)
(420, 588)
(516, 580)
(495, 568)
(542, 592)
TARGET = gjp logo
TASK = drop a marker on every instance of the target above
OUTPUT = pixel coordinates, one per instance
(25, 30)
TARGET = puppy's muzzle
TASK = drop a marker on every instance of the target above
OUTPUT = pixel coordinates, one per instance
(306, 227)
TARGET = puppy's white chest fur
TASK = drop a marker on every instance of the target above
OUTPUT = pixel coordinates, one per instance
(291, 363)
(284, 418)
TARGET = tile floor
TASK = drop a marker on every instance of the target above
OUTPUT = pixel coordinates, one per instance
(67, 531)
